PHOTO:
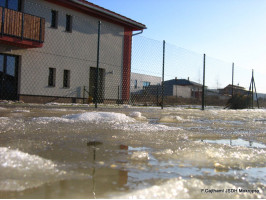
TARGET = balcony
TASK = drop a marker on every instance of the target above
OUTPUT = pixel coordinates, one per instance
(21, 29)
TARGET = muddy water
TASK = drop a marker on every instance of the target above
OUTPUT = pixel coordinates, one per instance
(132, 153)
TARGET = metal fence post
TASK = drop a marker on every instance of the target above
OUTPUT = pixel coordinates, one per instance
(157, 95)
(118, 96)
(233, 69)
(163, 75)
(97, 68)
(252, 88)
(84, 94)
(203, 85)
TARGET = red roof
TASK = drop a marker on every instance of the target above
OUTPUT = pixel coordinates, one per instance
(100, 12)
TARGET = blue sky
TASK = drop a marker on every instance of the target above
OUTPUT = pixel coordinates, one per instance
(229, 30)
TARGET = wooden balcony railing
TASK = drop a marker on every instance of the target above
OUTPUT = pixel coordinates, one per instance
(21, 25)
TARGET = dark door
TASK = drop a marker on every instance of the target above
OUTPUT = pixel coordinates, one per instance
(92, 87)
(8, 77)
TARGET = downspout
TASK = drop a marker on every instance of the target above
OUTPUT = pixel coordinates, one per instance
(141, 31)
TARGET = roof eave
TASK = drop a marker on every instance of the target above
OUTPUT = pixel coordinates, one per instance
(133, 24)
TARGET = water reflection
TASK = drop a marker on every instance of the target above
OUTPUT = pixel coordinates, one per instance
(236, 142)
(112, 178)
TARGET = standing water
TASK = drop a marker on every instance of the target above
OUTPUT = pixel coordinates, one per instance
(54, 152)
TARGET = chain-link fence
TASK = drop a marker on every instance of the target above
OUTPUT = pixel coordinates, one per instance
(84, 61)
(184, 74)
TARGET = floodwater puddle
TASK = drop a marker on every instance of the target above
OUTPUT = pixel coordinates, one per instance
(45, 153)
(236, 142)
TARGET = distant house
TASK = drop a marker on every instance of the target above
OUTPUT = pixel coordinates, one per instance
(139, 82)
(237, 90)
(182, 88)
(215, 93)
(261, 95)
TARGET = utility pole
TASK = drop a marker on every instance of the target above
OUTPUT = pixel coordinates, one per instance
(252, 87)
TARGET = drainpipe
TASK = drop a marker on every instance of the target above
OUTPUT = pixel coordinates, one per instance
(141, 31)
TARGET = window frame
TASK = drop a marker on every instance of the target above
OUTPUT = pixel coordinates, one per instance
(52, 77)
(54, 19)
(135, 84)
(69, 23)
(146, 83)
(66, 78)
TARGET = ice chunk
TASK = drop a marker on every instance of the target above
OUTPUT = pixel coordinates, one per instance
(46, 120)
(171, 119)
(194, 188)
(117, 121)
(127, 106)
(99, 117)
(21, 111)
(140, 156)
(137, 115)
(20, 171)
(145, 127)
(90, 117)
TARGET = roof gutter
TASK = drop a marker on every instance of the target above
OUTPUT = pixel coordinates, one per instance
(111, 14)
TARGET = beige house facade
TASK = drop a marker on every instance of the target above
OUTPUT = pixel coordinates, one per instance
(142, 81)
(60, 65)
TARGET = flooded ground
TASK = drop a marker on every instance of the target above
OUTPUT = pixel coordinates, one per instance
(132, 152)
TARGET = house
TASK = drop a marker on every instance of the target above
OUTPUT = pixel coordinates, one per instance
(182, 88)
(214, 93)
(237, 90)
(141, 81)
(48, 51)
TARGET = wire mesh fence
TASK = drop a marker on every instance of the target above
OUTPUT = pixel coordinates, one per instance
(84, 61)
(183, 76)
(146, 72)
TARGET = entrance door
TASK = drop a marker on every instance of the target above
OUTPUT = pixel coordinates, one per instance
(92, 88)
(8, 77)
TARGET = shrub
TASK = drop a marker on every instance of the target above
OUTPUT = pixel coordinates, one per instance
(239, 102)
